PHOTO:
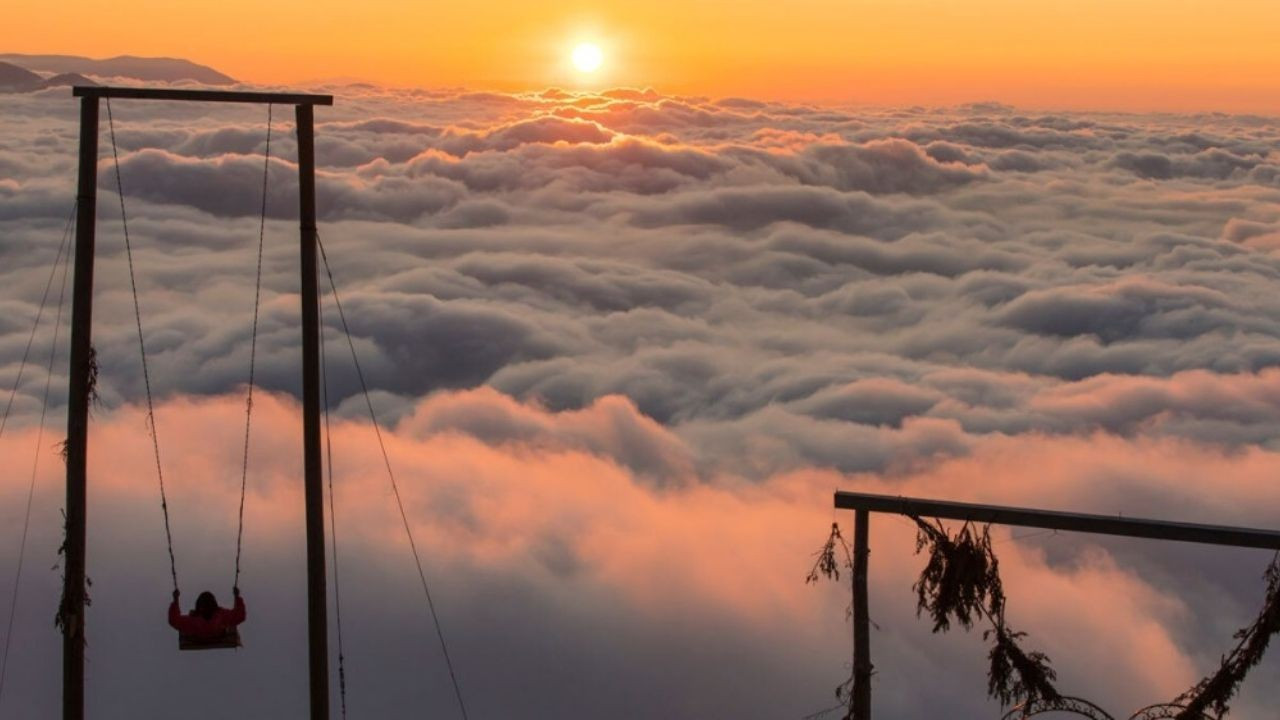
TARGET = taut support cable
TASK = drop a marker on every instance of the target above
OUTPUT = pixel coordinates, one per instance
(26, 353)
(395, 488)
(333, 521)
(62, 258)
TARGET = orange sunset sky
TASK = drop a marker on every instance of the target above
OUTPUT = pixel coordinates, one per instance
(1087, 54)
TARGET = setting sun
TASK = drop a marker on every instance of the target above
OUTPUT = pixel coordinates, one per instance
(587, 57)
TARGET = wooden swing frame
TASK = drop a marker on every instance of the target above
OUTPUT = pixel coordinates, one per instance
(866, 503)
(72, 609)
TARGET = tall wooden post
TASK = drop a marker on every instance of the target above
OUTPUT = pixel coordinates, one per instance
(861, 619)
(317, 613)
(71, 611)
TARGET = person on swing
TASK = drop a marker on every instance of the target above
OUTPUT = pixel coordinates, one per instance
(207, 622)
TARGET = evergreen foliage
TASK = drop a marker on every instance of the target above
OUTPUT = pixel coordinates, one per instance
(961, 583)
(827, 564)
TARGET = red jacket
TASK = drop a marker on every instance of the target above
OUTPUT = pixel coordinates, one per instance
(197, 628)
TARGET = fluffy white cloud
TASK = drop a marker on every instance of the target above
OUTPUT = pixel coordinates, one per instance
(628, 344)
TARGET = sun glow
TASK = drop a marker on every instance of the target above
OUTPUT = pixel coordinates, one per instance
(587, 57)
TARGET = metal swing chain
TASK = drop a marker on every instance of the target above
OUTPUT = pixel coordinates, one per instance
(142, 346)
(253, 347)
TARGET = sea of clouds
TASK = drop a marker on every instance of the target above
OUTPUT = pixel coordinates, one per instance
(625, 345)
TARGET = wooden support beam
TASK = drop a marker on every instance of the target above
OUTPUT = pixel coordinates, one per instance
(71, 610)
(317, 598)
(861, 693)
(224, 96)
(1055, 520)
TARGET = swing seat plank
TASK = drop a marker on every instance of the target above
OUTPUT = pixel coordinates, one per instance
(228, 641)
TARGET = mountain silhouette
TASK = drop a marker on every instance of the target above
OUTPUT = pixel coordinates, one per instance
(15, 79)
(138, 68)
(66, 79)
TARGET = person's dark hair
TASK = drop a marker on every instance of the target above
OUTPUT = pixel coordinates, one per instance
(206, 605)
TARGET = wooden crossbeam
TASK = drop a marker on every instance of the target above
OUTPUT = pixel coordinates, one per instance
(224, 96)
(1056, 520)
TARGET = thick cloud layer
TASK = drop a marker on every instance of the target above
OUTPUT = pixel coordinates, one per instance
(626, 345)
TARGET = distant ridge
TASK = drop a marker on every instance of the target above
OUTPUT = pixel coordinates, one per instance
(66, 79)
(14, 79)
(138, 68)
